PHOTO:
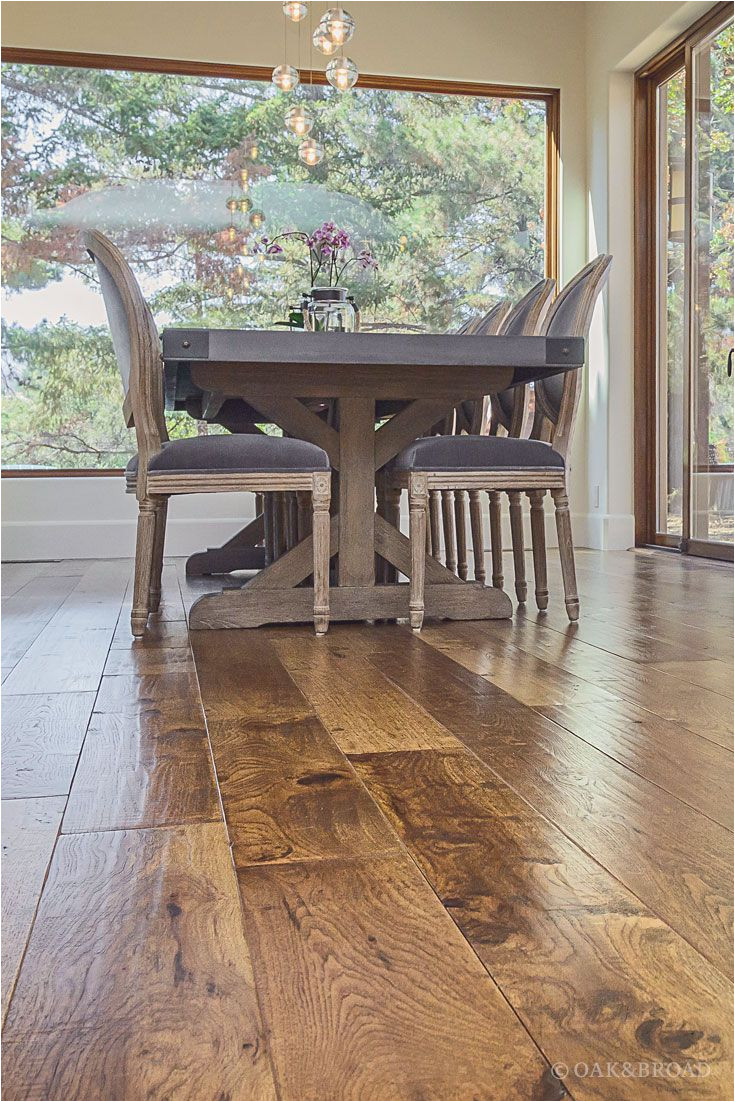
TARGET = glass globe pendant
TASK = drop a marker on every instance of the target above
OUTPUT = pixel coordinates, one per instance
(257, 218)
(244, 205)
(311, 152)
(323, 42)
(299, 120)
(342, 73)
(285, 77)
(232, 205)
(339, 25)
(295, 10)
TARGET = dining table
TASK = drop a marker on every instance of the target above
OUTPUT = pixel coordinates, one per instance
(285, 377)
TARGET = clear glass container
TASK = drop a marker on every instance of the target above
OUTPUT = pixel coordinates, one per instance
(328, 310)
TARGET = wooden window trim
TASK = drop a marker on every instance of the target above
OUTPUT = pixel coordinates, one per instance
(659, 69)
(549, 96)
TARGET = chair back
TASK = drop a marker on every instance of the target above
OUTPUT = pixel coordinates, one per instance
(557, 397)
(466, 416)
(509, 407)
(137, 349)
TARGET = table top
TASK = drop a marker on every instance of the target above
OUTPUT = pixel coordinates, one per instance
(255, 347)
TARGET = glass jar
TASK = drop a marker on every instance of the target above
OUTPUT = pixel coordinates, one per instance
(328, 310)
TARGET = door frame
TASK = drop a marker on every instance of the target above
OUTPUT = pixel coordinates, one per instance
(673, 58)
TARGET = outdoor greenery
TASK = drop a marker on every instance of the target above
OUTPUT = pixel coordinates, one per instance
(447, 192)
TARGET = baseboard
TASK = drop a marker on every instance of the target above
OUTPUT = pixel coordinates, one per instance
(93, 518)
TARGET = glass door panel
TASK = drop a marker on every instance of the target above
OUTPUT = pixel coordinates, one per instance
(670, 297)
(711, 447)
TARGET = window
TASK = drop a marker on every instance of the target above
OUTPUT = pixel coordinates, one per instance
(450, 191)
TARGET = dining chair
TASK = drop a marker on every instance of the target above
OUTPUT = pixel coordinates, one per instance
(506, 411)
(201, 464)
(509, 464)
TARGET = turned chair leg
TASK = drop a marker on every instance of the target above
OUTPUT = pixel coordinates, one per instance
(435, 521)
(320, 496)
(393, 516)
(460, 526)
(496, 539)
(538, 540)
(566, 552)
(429, 547)
(450, 540)
(154, 589)
(516, 532)
(478, 539)
(417, 503)
(143, 565)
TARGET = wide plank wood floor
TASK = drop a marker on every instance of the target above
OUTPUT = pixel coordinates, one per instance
(490, 861)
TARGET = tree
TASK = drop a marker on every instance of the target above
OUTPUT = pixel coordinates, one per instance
(448, 191)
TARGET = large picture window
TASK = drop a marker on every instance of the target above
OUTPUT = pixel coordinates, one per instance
(450, 191)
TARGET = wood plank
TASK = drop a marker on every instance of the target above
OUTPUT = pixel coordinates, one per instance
(41, 739)
(711, 674)
(15, 575)
(137, 982)
(362, 710)
(577, 672)
(26, 614)
(287, 791)
(695, 770)
(172, 606)
(69, 654)
(356, 564)
(370, 991)
(594, 976)
(29, 832)
(158, 633)
(675, 860)
(137, 772)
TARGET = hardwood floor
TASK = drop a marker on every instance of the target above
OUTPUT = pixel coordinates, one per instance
(490, 861)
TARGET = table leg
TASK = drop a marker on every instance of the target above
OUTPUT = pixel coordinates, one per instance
(239, 553)
(356, 564)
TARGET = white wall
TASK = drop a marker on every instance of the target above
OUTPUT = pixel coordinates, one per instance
(588, 50)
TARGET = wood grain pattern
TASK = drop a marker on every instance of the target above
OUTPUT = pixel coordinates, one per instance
(69, 653)
(593, 974)
(287, 791)
(41, 740)
(362, 710)
(386, 992)
(141, 772)
(692, 768)
(137, 980)
(682, 869)
(29, 831)
(27, 611)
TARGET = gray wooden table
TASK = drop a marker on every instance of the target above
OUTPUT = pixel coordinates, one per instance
(275, 372)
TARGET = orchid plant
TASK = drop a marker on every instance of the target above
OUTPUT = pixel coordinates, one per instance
(328, 247)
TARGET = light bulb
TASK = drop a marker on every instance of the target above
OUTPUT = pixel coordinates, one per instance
(244, 180)
(285, 77)
(311, 152)
(299, 120)
(257, 218)
(323, 42)
(231, 205)
(295, 10)
(339, 25)
(244, 205)
(232, 234)
(342, 73)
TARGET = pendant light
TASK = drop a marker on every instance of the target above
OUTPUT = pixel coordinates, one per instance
(311, 152)
(342, 73)
(295, 10)
(299, 120)
(339, 25)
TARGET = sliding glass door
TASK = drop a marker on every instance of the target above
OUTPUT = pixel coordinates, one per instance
(684, 295)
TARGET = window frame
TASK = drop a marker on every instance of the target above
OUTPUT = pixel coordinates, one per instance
(551, 97)
(675, 57)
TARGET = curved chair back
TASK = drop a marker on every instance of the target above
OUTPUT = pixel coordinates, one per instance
(526, 319)
(135, 340)
(557, 397)
(468, 415)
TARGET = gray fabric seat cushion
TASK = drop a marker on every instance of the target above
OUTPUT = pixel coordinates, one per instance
(477, 453)
(237, 454)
